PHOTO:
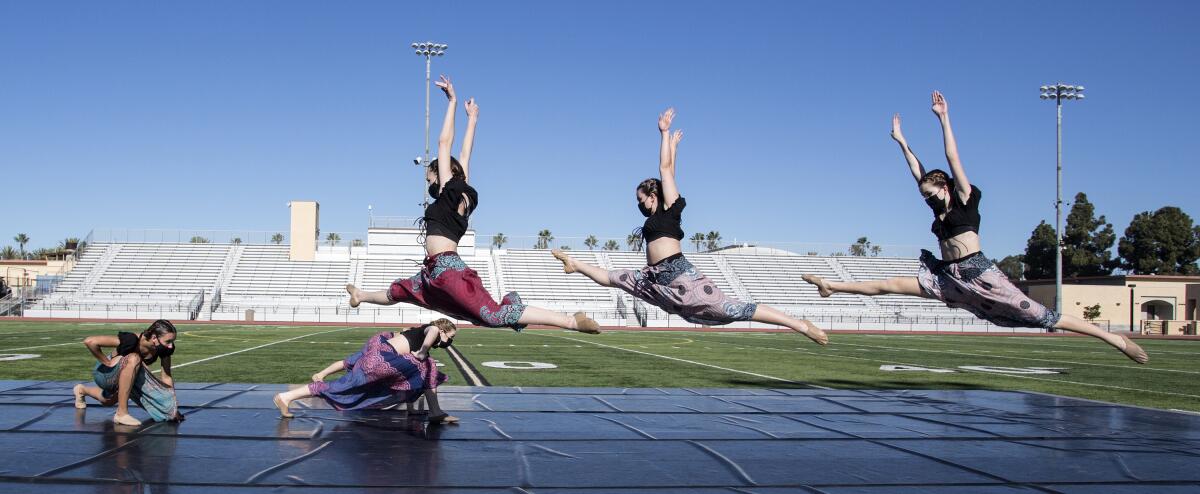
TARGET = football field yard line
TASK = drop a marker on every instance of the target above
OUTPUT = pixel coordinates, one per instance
(1032, 341)
(1106, 386)
(1056, 361)
(764, 376)
(80, 342)
(214, 357)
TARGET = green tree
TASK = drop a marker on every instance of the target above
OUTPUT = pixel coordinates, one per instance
(544, 239)
(8, 252)
(198, 240)
(21, 239)
(277, 238)
(498, 240)
(1162, 242)
(611, 245)
(1091, 312)
(634, 241)
(69, 243)
(812, 253)
(697, 240)
(1039, 253)
(236, 241)
(1012, 267)
(861, 247)
(714, 240)
(332, 238)
(358, 242)
(591, 242)
(1087, 241)
(564, 247)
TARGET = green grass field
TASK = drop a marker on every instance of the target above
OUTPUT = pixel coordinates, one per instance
(1085, 367)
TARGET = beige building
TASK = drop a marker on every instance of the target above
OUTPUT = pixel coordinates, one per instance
(25, 273)
(306, 227)
(1149, 303)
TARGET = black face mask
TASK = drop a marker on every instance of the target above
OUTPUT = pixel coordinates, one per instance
(645, 211)
(434, 189)
(163, 350)
(443, 344)
(937, 204)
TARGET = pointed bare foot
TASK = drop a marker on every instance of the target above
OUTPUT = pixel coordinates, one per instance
(442, 419)
(1132, 350)
(78, 390)
(814, 333)
(585, 324)
(353, 291)
(283, 406)
(822, 285)
(126, 420)
(568, 263)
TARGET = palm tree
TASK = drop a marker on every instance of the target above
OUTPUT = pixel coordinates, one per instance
(333, 238)
(609, 245)
(544, 239)
(591, 242)
(498, 240)
(634, 241)
(697, 239)
(357, 242)
(236, 241)
(8, 252)
(69, 243)
(21, 239)
(198, 240)
(277, 238)
(714, 240)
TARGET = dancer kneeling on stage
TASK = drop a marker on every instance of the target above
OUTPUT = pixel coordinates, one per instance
(391, 368)
(124, 374)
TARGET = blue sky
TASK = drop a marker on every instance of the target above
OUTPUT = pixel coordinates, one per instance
(215, 114)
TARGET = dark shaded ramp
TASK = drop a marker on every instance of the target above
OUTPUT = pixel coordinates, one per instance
(604, 440)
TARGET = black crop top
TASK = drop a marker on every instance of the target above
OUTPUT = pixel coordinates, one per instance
(442, 218)
(415, 337)
(959, 219)
(129, 344)
(665, 222)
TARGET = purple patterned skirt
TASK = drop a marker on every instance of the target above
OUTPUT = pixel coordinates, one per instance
(674, 285)
(975, 283)
(377, 377)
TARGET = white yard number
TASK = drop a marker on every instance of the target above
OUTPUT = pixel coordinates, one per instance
(519, 365)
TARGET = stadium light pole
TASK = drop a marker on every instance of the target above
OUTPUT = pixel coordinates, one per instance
(427, 49)
(1058, 93)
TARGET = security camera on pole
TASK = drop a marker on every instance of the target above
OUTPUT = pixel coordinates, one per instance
(1058, 93)
(427, 49)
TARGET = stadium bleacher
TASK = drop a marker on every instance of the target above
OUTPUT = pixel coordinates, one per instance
(261, 277)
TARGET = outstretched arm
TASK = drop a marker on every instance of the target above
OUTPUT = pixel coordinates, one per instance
(334, 367)
(166, 371)
(464, 157)
(446, 139)
(431, 336)
(94, 343)
(961, 184)
(666, 157)
(914, 165)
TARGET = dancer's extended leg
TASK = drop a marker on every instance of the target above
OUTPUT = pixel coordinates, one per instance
(358, 296)
(578, 321)
(570, 265)
(284, 400)
(900, 286)
(771, 315)
(1120, 342)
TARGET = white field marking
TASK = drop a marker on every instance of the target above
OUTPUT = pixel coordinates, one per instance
(693, 362)
(1040, 341)
(214, 357)
(990, 374)
(41, 346)
(1081, 348)
(951, 352)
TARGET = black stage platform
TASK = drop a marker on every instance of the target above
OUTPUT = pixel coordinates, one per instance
(604, 440)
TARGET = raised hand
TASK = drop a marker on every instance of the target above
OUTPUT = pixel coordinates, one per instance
(472, 108)
(447, 87)
(675, 138)
(665, 118)
(896, 134)
(939, 104)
